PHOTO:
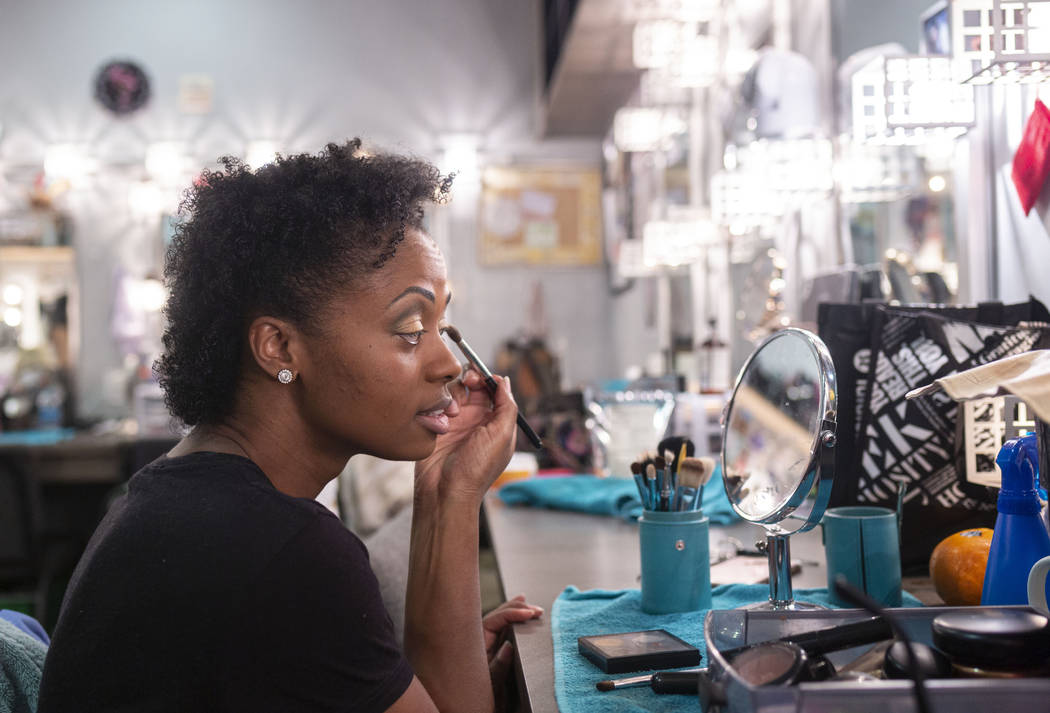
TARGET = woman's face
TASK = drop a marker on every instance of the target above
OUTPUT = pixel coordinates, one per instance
(376, 378)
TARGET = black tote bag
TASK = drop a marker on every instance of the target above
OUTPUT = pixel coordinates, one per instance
(881, 353)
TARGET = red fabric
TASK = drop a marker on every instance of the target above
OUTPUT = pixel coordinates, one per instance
(1032, 160)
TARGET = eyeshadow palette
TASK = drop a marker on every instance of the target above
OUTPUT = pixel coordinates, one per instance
(638, 651)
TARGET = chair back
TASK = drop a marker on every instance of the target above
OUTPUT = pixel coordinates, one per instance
(19, 520)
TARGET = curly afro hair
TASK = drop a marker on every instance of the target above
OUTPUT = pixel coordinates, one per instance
(280, 241)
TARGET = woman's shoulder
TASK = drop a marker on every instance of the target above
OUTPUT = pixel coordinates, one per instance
(221, 490)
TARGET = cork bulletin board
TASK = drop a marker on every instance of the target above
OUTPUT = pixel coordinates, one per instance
(540, 216)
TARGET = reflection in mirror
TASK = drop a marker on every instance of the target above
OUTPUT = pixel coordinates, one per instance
(778, 437)
(770, 432)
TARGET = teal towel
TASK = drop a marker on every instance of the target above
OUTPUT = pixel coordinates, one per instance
(606, 496)
(21, 665)
(597, 611)
(36, 437)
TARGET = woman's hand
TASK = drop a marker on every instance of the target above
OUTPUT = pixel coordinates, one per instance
(479, 443)
(500, 652)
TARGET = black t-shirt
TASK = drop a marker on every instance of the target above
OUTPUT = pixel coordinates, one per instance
(207, 589)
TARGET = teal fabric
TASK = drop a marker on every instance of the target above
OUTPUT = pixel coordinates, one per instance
(41, 437)
(597, 611)
(21, 665)
(606, 496)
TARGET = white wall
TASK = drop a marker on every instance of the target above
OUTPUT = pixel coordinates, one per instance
(399, 73)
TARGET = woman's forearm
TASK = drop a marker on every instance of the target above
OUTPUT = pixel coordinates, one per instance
(444, 640)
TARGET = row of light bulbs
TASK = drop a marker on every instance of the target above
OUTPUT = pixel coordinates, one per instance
(165, 161)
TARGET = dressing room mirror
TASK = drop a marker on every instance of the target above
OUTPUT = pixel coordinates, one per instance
(778, 440)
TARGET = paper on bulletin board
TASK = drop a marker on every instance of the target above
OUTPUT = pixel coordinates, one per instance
(539, 216)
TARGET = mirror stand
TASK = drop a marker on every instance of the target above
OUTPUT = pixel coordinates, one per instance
(781, 595)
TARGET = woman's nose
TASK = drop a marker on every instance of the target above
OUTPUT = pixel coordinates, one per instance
(447, 366)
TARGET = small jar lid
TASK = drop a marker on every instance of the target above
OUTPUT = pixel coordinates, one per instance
(1000, 638)
(772, 663)
(931, 662)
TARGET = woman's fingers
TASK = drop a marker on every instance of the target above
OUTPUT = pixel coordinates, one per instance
(510, 612)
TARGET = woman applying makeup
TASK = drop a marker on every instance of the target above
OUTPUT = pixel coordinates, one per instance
(305, 325)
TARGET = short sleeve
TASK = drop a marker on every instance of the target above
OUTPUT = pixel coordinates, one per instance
(313, 634)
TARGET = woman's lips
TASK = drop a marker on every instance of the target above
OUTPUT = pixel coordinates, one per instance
(436, 421)
(436, 418)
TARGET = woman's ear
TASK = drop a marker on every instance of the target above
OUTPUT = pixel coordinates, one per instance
(272, 345)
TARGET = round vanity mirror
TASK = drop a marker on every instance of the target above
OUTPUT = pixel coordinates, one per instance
(778, 437)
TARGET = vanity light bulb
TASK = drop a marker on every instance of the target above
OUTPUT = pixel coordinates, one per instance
(12, 294)
(937, 183)
(12, 316)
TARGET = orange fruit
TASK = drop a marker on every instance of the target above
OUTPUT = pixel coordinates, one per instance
(957, 566)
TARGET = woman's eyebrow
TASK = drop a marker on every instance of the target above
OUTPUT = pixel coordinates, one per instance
(414, 289)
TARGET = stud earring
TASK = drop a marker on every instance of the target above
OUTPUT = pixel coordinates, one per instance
(285, 376)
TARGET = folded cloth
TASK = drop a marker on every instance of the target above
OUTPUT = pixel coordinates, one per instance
(26, 623)
(607, 496)
(598, 611)
(21, 665)
(1025, 375)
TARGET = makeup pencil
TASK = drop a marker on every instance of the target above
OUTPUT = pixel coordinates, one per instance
(490, 382)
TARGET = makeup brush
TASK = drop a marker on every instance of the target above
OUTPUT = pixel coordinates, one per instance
(645, 679)
(639, 480)
(650, 479)
(490, 382)
(692, 478)
(663, 482)
(674, 445)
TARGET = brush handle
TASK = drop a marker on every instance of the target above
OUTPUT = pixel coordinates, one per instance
(533, 437)
(683, 682)
(490, 382)
(643, 490)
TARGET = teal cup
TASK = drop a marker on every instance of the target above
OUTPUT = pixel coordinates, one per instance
(676, 571)
(863, 545)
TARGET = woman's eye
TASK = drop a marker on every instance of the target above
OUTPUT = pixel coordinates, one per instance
(413, 337)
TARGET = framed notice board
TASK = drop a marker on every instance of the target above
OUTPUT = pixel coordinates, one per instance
(540, 216)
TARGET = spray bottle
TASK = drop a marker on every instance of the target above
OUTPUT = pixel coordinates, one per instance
(1020, 538)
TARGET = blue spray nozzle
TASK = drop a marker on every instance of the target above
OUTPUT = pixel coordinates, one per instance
(1018, 460)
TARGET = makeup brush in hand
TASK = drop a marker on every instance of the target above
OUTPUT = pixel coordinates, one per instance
(490, 382)
(692, 477)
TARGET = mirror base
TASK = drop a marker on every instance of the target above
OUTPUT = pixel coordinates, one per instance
(783, 606)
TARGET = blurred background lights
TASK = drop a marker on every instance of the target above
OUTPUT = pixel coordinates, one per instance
(260, 153)
(12, 316)
(12, 294)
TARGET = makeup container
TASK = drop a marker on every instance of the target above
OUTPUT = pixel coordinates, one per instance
(994, 642)
(676, 571)
(862, 544)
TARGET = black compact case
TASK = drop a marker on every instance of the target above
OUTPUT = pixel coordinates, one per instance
(638, 651)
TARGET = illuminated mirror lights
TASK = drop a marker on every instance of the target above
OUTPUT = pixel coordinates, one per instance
(644, 128)
(909, 100)
(676, 242)
(1001, 41)
(681, 10)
